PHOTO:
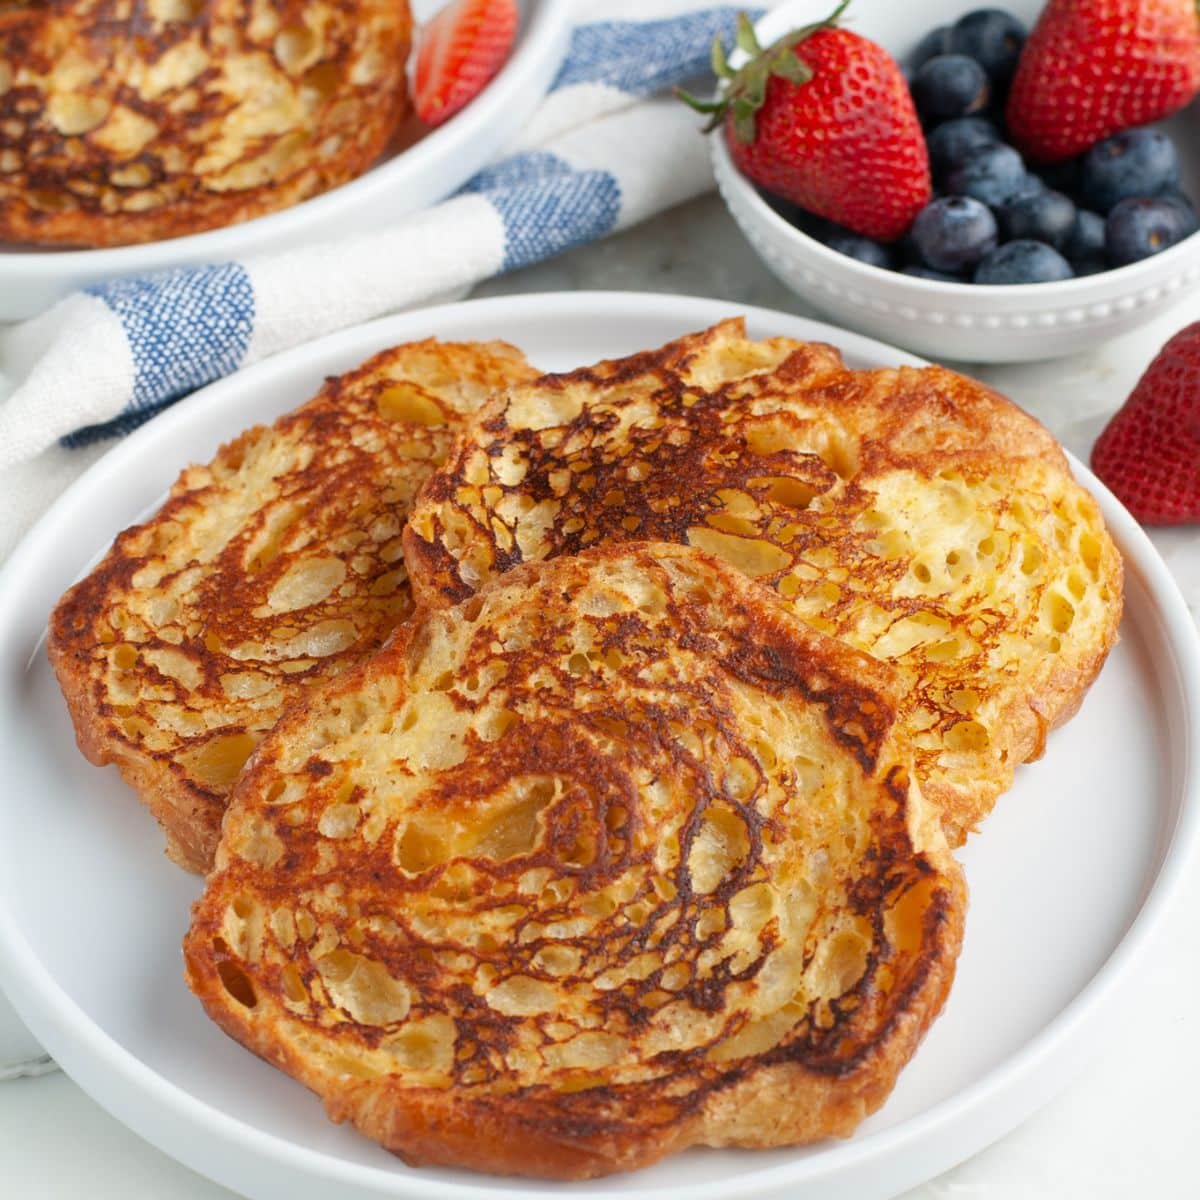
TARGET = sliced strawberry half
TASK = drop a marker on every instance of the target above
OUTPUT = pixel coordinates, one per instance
(459, 52)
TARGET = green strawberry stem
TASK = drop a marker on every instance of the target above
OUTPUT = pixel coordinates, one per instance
(746, 88)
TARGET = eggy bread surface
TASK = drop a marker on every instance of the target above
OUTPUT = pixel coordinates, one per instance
(913, 513)
(134, 120)
(273, 567)
(614, 858)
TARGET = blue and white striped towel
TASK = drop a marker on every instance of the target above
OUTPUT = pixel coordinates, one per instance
(604, 151)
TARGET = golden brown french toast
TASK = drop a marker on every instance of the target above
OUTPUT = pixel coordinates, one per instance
(614, 858)
(270, 569)
(915, 514)
(134, 120)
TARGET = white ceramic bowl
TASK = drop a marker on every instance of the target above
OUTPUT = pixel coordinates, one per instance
(422, 174)
(954, 320)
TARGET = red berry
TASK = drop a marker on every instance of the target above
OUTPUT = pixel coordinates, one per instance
(1094, 67)
(1149, 454)
(824, 118)
(458, 53)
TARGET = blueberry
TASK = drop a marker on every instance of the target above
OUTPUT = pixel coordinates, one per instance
(930, 273)
(865, 250)
(936, 42)
(1023, 262)
(1039, 216)
(1177, 194)
(802, 219)
(1085, 244)
(952, 142)
(816, 227)
(991, 174)
(950, 85)
(1187, 210)
(1030, 186)
(1137, 162)
(909, 251)
(954, 232)
(1142, 226)
(993, 38)
(1062, 176)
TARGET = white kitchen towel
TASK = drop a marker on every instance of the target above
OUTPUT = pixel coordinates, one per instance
(606, 149)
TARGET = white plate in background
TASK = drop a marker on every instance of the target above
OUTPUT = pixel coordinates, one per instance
(32, 278)
(1068, 878)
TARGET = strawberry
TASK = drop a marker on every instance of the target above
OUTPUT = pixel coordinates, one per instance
(458, 53)
(1094, 67)
(1149, 454)
(824, 119)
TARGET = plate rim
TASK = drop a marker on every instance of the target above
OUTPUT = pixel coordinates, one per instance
(539, 52)
(46, 1007)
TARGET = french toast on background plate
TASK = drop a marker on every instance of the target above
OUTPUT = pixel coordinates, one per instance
(913, 513)
(273, 567)
(613, 858)
(132, 122)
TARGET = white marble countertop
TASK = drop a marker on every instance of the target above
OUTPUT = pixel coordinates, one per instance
(1126, 1127)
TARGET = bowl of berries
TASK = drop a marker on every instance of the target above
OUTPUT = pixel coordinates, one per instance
(983, 184)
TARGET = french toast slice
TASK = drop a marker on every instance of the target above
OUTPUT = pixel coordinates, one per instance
(614, 858)
(270, 569)
(915, 514)
(124, 121)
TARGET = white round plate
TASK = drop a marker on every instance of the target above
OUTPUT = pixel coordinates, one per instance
(1068, 877)
(32, 278)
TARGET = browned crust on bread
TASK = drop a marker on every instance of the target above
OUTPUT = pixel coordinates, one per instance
(140, 120)
(783, 1104)
(915, 513)
(173, 652)
(189, 815)
(818, 1074)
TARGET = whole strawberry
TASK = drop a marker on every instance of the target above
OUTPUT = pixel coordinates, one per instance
(1094, 67)
(1149, 454)
(824, 118)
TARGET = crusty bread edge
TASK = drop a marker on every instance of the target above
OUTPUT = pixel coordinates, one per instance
(786, 1104)
(1029, 720)
(189, 815)
(190, 818)
(780, 1105)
